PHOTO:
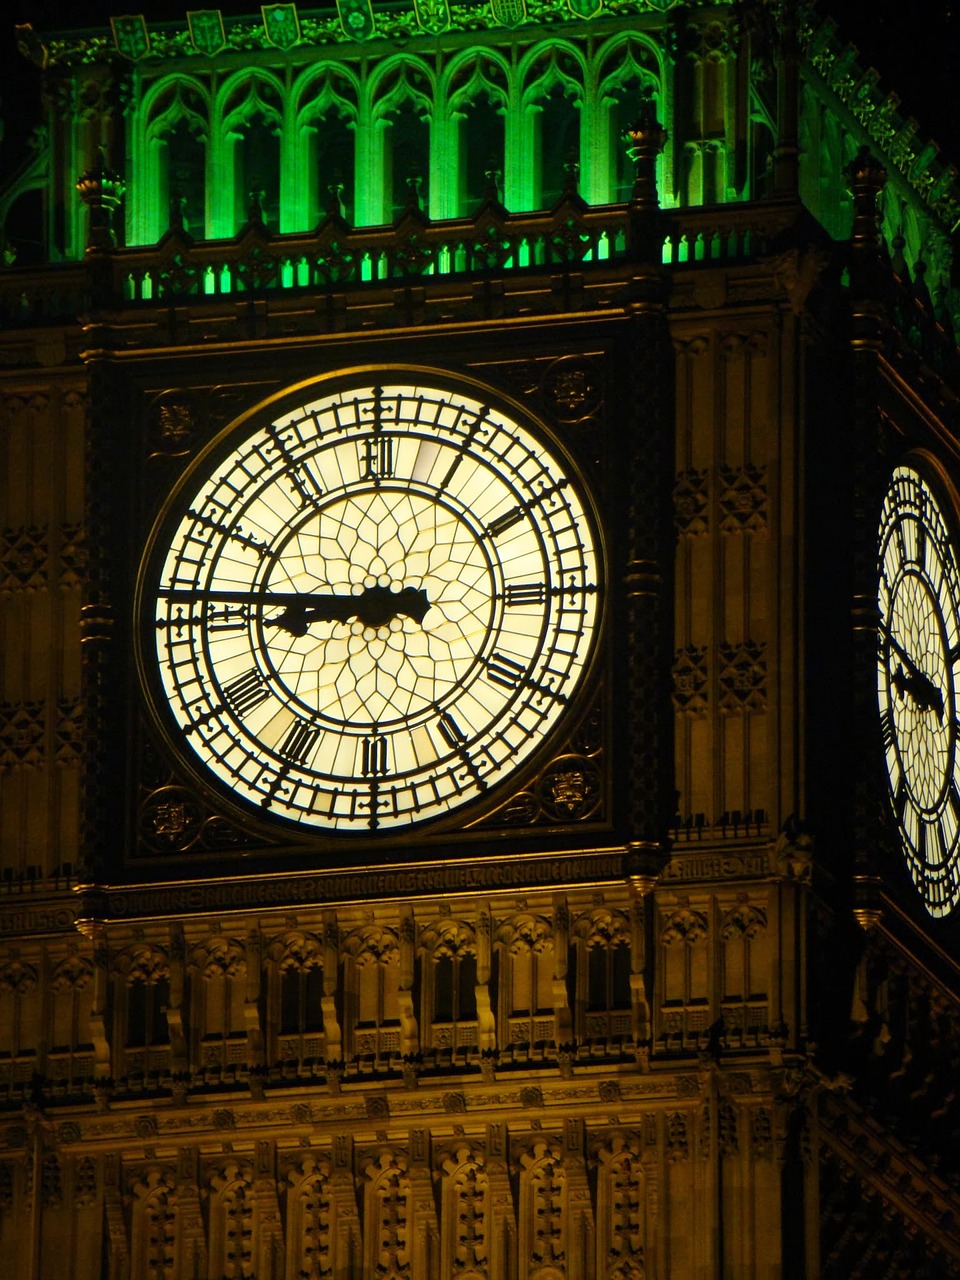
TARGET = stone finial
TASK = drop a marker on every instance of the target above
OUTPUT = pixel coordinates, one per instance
(255, 208)
(645, 138)
(335, 206)
(866, 177)
(101, 190)
(414, 183)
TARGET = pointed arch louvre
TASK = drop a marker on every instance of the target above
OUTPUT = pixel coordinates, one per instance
(450, 159)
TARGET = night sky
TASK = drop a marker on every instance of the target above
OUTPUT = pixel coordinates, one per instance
(915, 47)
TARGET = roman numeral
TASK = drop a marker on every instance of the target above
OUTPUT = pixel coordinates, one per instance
(301, 478)
(378, 457)
(505, 522)
(374, 756)
(246, 692)
(450, 731)
(886, 725)
(300, 740)
(228, 618)
(505, 671)
(525, 593)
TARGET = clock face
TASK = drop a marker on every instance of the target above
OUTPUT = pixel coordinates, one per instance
(919, 649)
(370, 609)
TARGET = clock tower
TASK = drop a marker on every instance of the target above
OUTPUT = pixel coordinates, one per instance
(481, 628)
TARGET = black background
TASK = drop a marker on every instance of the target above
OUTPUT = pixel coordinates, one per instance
(915, 47)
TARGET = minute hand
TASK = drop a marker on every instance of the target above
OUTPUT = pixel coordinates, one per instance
(374, 607)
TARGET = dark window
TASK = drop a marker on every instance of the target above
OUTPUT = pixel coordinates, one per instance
(185, 177)
(559, 143)
(481, 152)
(146, 1013)
(257, 168)
(334, 145)
(407, 157)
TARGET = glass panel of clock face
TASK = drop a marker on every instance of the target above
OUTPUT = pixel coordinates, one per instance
(919, 648)
(375, 607)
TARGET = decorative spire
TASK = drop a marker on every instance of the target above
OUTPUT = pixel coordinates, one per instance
(414, 183)
(255, 216)
(101, 190)
(866, 177)
(645, 139)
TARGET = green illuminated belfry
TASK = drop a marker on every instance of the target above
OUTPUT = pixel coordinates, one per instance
(479, 651)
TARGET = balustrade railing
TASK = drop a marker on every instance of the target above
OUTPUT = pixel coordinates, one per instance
(337, 257)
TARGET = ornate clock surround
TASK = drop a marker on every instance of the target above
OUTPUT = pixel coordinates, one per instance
(392, 441)
(917, 684)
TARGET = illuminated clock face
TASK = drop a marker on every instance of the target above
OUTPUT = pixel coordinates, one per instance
(919, 652)
(371, 609)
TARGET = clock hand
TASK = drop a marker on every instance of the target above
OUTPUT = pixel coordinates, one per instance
(921, 689)
(925, 694)
(375, 606)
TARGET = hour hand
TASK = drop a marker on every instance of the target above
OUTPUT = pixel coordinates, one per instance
(925, 694)
(374, 607)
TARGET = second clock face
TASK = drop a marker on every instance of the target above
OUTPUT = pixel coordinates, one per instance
(919, 652)
(372, 608)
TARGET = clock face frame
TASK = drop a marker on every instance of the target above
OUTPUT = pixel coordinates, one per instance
(918, 656)
(369, 602)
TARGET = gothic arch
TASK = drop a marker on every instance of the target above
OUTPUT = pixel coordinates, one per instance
(170, 154)
(371, 991)
(448, 959)
(627, 69)
(473, 119)
(326, 112)
(551, 81)
(397, 137)
(625, 1207)
(387, 1194)
(248, 117)
(310, 1231)
(154, 1225)
(231, 1210)
(465, 1243)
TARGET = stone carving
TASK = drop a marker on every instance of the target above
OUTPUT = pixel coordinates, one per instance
(690, 498)
(683, 926)
(743, 499)
(142, 962)
(742, 677)
(568, 789)
(22, 731)
(51, 1182)
(24, 556)
(743, 921)
(727, 1129)
(690, 681)
(525, 932)
(572, 389)
(761, 1134)
(84, 1183)
(68, 740)
(678, 1146)
(469, 1192)
(71, 974)
(74, 556)
(146, 1126)
(448, 937)
(18, 978)
(219, 957)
